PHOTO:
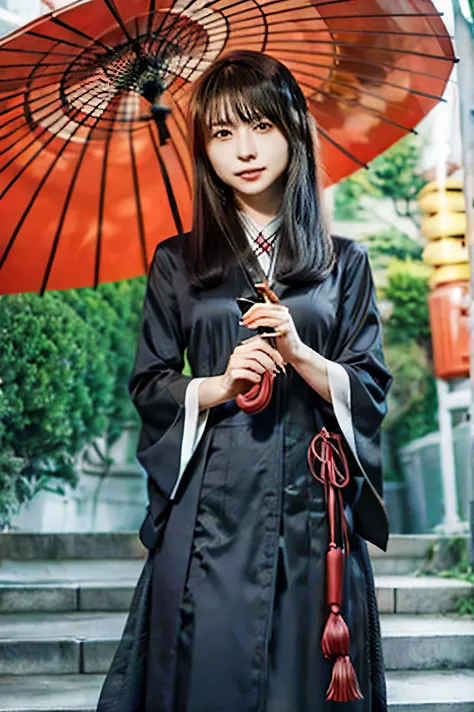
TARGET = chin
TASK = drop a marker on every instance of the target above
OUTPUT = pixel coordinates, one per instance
(254, 188)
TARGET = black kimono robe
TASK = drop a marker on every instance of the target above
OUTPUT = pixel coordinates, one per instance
(231, 604)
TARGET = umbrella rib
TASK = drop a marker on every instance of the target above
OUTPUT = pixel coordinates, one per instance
(368, 62)
(32, 101)
(80, 33)
(37, 51)
(57, 41)
(291, 8)
(136, 190)
(370, 47)
(30, 161)
(117, 16)
(181, 37)
(373, 112)
(103, 182)
(341, 148)
(42, 76)
(43, 64)
(173, 24)
(188, 32)
(168, 186)
(65, 208)
(28, 207)
(333, 80)
(303, 6)
(265, 25)
(180, 158)
(331, 30)
(151, 11)
(346, 17)
(78, 69)
(36, 191)
(45, 116)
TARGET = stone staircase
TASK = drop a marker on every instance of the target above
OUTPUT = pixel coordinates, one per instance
(64, 600)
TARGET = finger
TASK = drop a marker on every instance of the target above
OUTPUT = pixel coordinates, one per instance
(264, 321)
(246, 375)
(255, 337)
(255, 364)
(257, 360)
(262, 346)
(256, 343)
(263, 309)
(268, 363)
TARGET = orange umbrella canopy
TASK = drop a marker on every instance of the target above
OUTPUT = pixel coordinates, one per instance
(88, 185)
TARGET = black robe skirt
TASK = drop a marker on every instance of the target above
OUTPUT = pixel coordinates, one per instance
(230, 607)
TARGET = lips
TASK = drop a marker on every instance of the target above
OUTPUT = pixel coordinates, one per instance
(250, 172)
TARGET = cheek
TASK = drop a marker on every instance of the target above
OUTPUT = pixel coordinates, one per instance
(280, 152)
(219, 160)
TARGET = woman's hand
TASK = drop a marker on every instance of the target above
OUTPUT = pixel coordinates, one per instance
(247, 364)
(278, 320)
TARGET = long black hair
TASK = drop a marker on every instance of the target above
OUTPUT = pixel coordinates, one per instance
(251, 86)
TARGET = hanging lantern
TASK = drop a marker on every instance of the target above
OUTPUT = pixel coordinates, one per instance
(445, 227)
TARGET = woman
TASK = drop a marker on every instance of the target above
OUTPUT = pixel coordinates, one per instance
(231, 606)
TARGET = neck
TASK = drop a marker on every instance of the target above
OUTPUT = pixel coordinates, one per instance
(261, 208)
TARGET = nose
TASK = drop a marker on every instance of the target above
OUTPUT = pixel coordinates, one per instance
(246, 148)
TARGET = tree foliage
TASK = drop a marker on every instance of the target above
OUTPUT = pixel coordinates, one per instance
(64, 367)
(412, 401)
(393, 174)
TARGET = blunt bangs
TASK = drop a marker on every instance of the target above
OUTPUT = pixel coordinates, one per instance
(238, 93)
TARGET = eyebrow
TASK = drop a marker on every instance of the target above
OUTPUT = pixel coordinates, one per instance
(222, 122)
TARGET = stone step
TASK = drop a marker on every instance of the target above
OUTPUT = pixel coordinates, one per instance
(77, 585)
(434, 691)
(404, 555)
(73, 585)
(70, 643)
(23, 546)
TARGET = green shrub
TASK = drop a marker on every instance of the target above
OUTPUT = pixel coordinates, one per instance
(390, 244)
(408, 291)
(412, 399)
(65, 362)
(126, 300)
(55, 392)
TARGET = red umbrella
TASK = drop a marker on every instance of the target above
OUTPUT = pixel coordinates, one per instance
(95, 172)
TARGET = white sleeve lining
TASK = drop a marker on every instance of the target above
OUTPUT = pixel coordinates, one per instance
(194, 426)
(340, 389)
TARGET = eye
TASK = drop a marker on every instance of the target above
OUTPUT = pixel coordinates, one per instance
(221, 133)
(264, 125)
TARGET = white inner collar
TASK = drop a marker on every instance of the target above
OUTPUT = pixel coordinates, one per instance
(252, 230)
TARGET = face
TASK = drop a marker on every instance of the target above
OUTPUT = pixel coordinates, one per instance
(248, 157)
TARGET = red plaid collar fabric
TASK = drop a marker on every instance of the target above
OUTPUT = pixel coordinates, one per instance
(262, 240)
(263, 244)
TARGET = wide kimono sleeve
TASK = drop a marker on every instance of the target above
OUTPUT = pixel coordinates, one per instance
(359, 381)
(165, 399)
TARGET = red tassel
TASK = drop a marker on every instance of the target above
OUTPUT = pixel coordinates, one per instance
(336, 639)
(344, 686)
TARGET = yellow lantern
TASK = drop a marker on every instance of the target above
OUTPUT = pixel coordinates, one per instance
(445, 227)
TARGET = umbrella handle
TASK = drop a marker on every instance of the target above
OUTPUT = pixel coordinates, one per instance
(259, 396)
